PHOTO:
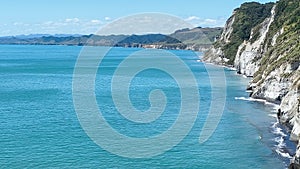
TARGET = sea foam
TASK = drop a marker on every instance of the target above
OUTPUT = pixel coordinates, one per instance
(276, 106)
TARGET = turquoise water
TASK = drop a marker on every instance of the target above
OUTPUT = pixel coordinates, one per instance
(39, 127)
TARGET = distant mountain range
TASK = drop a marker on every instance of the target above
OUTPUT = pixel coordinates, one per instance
(198, 38)
(41, 35)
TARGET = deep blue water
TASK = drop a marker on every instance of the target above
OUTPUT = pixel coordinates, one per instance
(39, 127)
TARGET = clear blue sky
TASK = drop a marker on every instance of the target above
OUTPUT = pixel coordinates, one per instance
(86, 16)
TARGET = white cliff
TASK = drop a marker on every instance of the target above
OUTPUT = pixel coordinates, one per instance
(271, 56)
(226, 34)
(250, 53)
(215, 54)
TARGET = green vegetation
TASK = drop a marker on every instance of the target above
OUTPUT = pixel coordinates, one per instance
(287, 46)
(197, 36)
(256, 33)
(148, 39)
(247, 16)
(286, 22)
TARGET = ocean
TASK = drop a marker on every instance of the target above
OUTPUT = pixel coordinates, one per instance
(41, 128)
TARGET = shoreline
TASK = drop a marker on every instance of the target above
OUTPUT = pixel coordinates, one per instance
(285, 148)
(195, 51)
(282, 139)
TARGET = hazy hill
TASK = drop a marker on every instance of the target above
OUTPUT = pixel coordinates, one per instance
(195, 39)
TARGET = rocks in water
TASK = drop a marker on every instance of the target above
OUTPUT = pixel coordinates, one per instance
(294, 166)
(270, 54)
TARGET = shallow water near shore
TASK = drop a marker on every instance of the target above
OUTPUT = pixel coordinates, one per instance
(39, 127)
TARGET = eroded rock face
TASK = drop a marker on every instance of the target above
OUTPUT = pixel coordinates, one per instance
(272, 57)
(215, 54)
(225, 37)
(245, 63)
(250, 52)
(273, 87)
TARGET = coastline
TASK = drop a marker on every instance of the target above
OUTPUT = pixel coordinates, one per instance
(236, 144)
(285, 148)
(266, 52)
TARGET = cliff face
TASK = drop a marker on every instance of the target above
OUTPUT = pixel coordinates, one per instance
(243, 27)
(267, 49)
(216, 54)
(250, 52)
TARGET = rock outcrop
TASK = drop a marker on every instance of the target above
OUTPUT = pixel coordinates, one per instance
(250, 52)
(216, 54)
(266, 48)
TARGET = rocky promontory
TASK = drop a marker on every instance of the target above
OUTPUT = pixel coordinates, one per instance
(262, 41)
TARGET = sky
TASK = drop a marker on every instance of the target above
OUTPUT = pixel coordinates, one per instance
(87, 16)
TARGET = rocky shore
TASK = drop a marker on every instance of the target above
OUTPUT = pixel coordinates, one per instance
(262, 41)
